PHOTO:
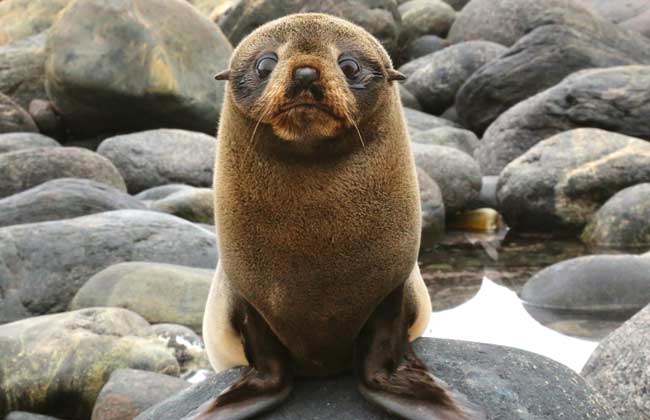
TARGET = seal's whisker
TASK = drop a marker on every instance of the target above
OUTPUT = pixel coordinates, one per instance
(363, 144)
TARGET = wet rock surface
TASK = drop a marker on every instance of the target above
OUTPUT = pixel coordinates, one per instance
(52, 359)
(84, 246)
(509, 384)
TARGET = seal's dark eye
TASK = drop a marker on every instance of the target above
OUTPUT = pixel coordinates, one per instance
(349, 67)
(265, 65)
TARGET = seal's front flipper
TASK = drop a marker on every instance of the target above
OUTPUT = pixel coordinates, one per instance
(394, 378)
(266, 384)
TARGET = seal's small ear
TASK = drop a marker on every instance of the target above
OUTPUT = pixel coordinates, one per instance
(223, 75)
(395, 75)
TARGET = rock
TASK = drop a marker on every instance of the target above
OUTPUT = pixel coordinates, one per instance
(425, 17)
(618, 368)
(438, 79)
(11, 142)
(600, 285)
(538, 61)
(457, 4)
(20, 19)
(640, 23)
(623, 221)
(158, 157)
(24, 169)
(408, 100)
(128, 66)
(617, 11)
(509, 384)
(43, 265)
(13, 118)
(561, 182)
(205, 6)
(21, 415)
(423, 45)
(47, 118)
(130, 392)
(506, 21)
(187, 346)
(57, 364)
(22, 67)
(421, 121)
(617, 99)
(157, 193)
(181, 292)
(63, 198)
(460, 139)
(488, 195)
(379, 17)
(195, 205)
(433, 207)
(455, 172)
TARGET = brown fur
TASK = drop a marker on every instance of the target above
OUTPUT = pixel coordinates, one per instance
(315, 234)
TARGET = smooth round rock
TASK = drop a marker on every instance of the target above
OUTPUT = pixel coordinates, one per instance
(195, 205)
(379, 17)
(538, 61)
(623, 221)
(408, 99)
(21, 415)
(159, 157)
(187, 346)
(618, 368)
(617, 98)
(425, 17)
(432, 205)
(599, 285)
(24, 169)
(13, 118)
(421, 121)
(617, 11)
(64, 198)
(562, 181)
(463, 140)
(455, 172)
(43, 265)
(157, 193)
(11, 142)
(130, 392)
(57, 364)
(424, 45)
(21, 19)
(22, 73)
(181, 292)
(438, 77)
(639, 23)
(128, 65)
(509, 384)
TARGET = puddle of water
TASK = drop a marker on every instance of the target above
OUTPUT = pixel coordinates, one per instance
(495, 315)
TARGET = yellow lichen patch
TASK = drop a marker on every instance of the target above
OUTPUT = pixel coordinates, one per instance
(162, 79)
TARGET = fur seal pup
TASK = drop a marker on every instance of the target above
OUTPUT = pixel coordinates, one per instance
(318, 222)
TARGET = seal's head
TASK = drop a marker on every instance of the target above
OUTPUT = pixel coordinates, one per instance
(309, 76)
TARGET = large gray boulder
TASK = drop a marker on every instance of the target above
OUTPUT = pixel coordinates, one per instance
(425, 17)
(130, 392)
(43, 265)
(22, 68)
(193, 204)
(127, 65)
(57, 364)
(431, 204)
(463, 140)
(379, 17)
(24, 169)
(455, 172)
(538, 61)
(509, 384)
(420, 121)
(20, 19)
(436, 78)
(617, 11)
(13, 118)
(605, 286)
(180, 292)
(616, 98)
(64, 198)
(623, 221)
(618, 368)
(506, 21)
(563, 181)
(11, 142)
(158, 157)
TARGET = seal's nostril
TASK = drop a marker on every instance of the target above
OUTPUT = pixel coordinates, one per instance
(305, 76)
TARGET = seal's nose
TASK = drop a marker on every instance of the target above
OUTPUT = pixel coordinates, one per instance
(305, 76)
